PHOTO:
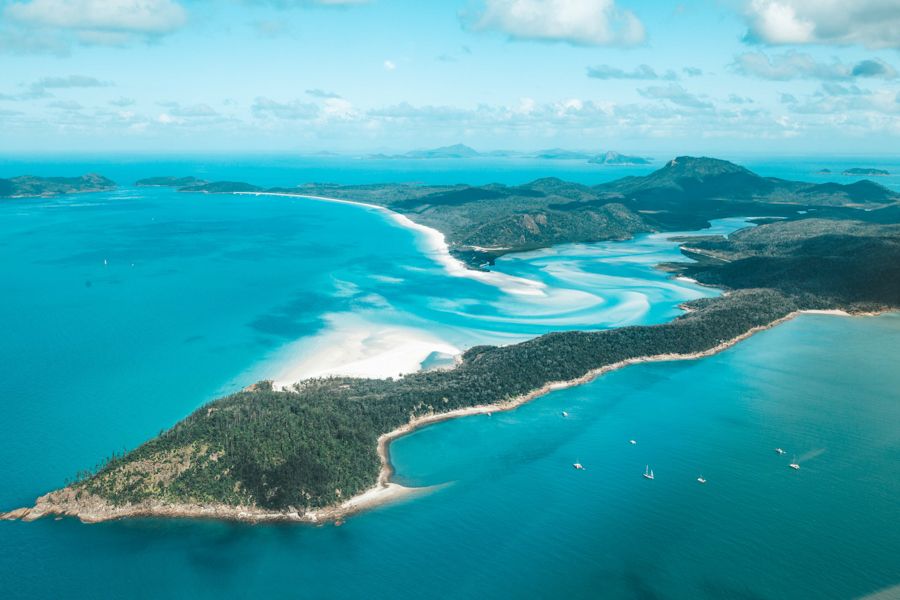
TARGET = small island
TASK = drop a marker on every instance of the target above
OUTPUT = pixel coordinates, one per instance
(454, 151)
(28, 186)
(866, 172)
(169, 182)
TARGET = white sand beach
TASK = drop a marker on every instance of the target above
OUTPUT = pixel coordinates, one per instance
(434, 244)
(352, 346)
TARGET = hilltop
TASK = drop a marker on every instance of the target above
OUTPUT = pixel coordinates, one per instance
(482, 223)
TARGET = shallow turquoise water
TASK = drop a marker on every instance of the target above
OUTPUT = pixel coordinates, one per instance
(516, 520)
(97, 357)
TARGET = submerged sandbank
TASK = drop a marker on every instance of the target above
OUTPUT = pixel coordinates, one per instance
(355, 347)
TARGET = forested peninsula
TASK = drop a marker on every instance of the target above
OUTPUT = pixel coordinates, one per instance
(300, 454)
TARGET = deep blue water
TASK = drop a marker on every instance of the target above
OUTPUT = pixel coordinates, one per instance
(200, 295)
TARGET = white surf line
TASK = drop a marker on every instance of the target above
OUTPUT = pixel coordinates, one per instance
(436, 246)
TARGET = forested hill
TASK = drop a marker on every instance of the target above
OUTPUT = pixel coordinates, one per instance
(484, 222)
(316, 445)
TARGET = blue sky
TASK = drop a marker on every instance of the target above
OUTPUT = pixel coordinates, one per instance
(776, 76)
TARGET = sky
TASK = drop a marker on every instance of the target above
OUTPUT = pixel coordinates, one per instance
(354, 76)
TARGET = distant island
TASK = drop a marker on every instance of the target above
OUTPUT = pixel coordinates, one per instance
(169, 182)
(614, 158)
(455, 151)
(857, 171)
(28, 186)
(562, 154)
(319, 450)
(462, 151)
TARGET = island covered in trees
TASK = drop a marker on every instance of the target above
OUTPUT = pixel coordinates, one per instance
(301, 453)
(482, 223)
(28, 186)
(865, 172)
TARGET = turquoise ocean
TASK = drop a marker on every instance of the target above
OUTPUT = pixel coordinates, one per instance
(122, 312)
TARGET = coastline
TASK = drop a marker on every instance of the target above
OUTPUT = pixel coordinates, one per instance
(414, 347)
(435, 246)
(92, 509)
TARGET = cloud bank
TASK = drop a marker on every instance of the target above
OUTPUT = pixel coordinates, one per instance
(577, 22)
(871, 23)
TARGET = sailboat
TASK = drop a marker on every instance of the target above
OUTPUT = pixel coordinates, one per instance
(779, 451)
(632, 442)
(701, 479)
(648, 473)
(578, 466)
(565, 414)
(794, 464)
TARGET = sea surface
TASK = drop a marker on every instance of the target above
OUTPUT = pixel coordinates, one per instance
(122, 312)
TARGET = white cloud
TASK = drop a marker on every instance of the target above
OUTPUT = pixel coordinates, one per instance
(300, 3)
(167, 119)
(675, 94)
(841, 102)
(39, 88)
(192, 111)
(66, 105)
(320, 93)
(123, 102)
(579, 22)
(338, 108)
(293, 110)
(797, 65)
(390, 65)
(71, 81)
(736, 99)
(872, 23)
(639, 72)
(98, 22)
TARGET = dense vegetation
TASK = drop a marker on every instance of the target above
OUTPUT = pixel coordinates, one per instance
(316, 445)
(825, 261)
(28, 186)
(484, 222)
(865, 172)
(169, 182)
